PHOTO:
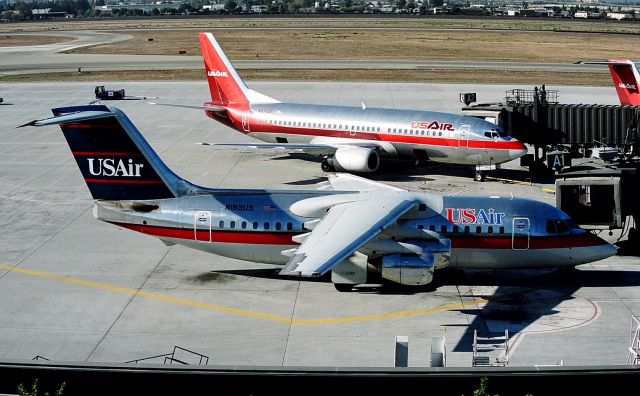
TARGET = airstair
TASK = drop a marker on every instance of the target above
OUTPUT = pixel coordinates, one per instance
(634, 349)
(490, 351)
(178, 355)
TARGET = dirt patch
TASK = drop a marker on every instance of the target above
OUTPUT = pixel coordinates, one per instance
(423, 75)
(342, 44)
(17, 40)
(347, 22)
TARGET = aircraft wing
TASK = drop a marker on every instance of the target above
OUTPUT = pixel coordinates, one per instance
(215, 109)
(310, 148)
(344, 229)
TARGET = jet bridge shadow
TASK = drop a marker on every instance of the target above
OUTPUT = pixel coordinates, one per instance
(523, 297)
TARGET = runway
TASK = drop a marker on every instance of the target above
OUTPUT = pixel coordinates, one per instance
(51, 58)
(75, 289)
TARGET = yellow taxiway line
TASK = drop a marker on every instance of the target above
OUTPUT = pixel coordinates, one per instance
(234, 311)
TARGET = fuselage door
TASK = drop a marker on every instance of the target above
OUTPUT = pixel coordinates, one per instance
(245, 122)
(202, 226)
(463, 135)
(521, 233)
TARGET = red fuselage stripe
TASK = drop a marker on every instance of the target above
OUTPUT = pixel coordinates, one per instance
(546, 242)
(388, 137)
(245, 237)
(284, 238)
(118, 181)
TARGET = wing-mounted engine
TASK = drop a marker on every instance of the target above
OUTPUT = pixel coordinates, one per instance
(355, 159)
(415, 269)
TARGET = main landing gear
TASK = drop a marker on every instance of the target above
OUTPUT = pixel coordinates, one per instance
(479, 176)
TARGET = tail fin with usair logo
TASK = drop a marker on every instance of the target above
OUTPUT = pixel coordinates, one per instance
(116, 162)
(226, 86)
(626, 79)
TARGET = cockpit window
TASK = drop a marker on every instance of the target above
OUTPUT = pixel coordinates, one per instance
(495, 133)
(559, 226)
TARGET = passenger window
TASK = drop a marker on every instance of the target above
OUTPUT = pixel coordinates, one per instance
(456, 229)
(439, 133)
(255, 225)
(478, 229)
(443, 228)
(221, 224)
(232, 224)
(244, 225)
(289, 226)
(266, 225)
(432, 227)
(278, 226)
(490, 230)
(501, 230)
(467, 229)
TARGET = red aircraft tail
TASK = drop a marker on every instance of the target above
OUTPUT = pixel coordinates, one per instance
(626, 79)
(226, 86)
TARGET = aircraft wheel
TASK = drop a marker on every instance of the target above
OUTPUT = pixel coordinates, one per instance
(479, 177)
(343, 287)
(326, 167)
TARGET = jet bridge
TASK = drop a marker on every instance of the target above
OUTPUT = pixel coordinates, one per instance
(537, 118)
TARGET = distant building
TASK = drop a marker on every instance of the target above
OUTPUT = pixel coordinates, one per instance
(45, 13)
(618, 15)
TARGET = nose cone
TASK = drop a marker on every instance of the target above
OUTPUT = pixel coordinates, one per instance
(518, 151)
(605, 250)
(595, 249)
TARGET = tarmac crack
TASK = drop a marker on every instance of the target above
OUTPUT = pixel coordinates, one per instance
(133, 296)
(46, 241)
(293, 312)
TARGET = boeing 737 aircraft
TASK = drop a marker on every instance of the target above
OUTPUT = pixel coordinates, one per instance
(350, 138)
(626, 79)
(349, 225)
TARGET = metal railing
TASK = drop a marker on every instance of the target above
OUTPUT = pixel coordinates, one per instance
(170, 358)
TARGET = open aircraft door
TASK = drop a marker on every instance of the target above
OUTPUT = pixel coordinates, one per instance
(521, 233)
(463, 138)
(202, 226)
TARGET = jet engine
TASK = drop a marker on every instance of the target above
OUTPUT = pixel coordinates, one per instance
(355, 159)
(409, 269)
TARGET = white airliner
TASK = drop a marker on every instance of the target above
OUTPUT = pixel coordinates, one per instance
(349, 225)
(350, 138)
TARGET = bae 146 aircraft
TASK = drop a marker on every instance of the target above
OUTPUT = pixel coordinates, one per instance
(348, 225)
(626, 79)
(350, 138)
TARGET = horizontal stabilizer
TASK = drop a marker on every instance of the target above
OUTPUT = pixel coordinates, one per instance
(215, 109)
(69, 118)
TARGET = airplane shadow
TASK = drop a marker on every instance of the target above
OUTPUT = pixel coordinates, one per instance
(521, 298)
(393, 169)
